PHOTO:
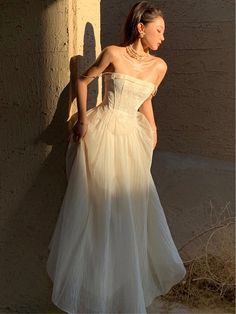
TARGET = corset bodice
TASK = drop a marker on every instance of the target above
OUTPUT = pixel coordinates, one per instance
(126, 93)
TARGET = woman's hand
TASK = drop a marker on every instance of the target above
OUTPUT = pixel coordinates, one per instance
(79, 130)
(154, 132)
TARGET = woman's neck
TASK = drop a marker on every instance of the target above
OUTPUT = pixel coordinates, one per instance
(138, 46)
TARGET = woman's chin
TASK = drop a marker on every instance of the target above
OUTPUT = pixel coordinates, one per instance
(155, 47)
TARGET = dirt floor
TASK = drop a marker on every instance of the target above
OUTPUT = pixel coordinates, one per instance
(162, 307)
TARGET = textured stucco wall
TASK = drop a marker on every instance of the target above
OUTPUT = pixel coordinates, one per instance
(34, 92)
(84, 25)
(194, 111)
(38, 40)
(194, 107)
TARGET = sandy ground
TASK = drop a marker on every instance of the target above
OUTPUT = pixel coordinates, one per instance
(161, 307)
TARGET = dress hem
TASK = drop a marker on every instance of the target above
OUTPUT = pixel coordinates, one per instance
(151, 299)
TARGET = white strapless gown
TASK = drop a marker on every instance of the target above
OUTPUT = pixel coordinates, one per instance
(112, 250)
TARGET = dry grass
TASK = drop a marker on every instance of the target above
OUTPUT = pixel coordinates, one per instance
(210, 279)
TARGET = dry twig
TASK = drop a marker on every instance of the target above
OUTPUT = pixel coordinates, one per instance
(210, 278)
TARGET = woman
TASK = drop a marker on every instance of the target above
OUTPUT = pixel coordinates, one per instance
(112, 250)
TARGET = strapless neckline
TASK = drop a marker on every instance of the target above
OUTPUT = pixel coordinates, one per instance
(130, 77)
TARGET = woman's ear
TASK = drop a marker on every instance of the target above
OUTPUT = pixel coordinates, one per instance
(140, 27)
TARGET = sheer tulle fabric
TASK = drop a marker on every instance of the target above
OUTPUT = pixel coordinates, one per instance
(112, 250)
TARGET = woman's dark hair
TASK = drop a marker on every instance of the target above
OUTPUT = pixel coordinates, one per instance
(142, 11)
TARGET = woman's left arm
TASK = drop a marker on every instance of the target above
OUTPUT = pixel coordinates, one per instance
(146, 108)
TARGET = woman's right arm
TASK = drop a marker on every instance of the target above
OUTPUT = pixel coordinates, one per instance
(105, 58)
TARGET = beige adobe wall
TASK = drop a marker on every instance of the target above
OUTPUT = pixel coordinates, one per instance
(38, 38)
(34, 76)
(194, 107)
(84, 38)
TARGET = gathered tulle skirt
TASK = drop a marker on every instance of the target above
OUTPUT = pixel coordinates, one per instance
(111, 250)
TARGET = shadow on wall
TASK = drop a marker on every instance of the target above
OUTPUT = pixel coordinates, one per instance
(34, 185)
(25, 203)
(111, 24)
(78, 64)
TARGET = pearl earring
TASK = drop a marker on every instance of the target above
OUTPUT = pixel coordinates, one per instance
(141, 34)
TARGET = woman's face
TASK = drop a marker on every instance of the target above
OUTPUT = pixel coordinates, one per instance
(154, 33)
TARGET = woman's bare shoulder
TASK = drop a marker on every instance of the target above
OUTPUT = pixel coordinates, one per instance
(112, 49)
(160, 64)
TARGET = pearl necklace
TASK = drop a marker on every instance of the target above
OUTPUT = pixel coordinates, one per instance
(133, 53)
